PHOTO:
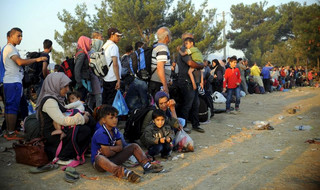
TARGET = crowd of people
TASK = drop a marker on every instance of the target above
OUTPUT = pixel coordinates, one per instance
(173, 86)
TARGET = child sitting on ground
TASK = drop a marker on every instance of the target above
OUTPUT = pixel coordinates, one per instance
(75, 103)
(196, 56)
(158, 136)
(107, 152)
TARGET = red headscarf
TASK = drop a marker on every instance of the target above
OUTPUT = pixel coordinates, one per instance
(84, 43)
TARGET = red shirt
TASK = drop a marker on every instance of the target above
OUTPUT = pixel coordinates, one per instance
(231, 77)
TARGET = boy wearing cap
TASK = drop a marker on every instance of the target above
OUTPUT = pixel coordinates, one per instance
(111, 82)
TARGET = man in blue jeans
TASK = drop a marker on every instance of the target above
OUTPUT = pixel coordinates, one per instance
(189, 107)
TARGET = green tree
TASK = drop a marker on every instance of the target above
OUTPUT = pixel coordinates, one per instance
(184, 18)
(254, 27)
(140, 19)
(75, 27)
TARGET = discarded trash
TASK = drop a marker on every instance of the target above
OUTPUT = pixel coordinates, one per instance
(268, 157)
(245, 161)
(230, 153)
(281, 117)
(262, 125)
(292, 110)
(277, 150)
(299, 117)
(230, 125)
(312, 142)
(303, 127)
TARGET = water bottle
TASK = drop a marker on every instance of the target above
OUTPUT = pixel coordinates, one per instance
(303, 127)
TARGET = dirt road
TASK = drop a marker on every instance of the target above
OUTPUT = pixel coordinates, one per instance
(231, 154)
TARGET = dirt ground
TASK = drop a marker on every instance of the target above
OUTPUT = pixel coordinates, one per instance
(231, 154)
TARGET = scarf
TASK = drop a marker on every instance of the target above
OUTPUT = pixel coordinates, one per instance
(84, 44)
(52, 85)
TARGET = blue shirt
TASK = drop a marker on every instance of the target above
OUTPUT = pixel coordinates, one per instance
(102, 137)
(266, 72)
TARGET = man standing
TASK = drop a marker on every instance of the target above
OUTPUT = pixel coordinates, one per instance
(190, 100)
(266, 76)
(12, 80)
(111, 82)
(47, 47)
(160, 67)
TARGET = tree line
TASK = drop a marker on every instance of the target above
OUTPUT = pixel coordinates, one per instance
(288, 34)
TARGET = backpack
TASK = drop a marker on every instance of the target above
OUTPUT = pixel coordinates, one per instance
(67, 67)
(99, 64)
(203, 110)
(132, 130)
(31, 127)
(125, 65)
(33, 70)
(141, 63)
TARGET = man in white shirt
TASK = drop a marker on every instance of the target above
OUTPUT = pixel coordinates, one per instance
(12, 80)
(111, 82)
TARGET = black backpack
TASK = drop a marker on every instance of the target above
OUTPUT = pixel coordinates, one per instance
(132, 130)
(203, 110)
(33, 70)
(141, 63)
(67, 66)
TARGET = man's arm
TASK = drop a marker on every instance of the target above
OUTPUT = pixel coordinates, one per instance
(116, 71)
(44, 69)
(162, 76)
(194, 64)
(22, 62)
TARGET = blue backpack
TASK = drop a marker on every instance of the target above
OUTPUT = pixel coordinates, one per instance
(2, 69)
(140, 63)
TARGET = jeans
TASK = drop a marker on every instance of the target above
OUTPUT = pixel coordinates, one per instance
(137, 95)
(267, 86)
(164, 149)
(189, 108)
(230, 92)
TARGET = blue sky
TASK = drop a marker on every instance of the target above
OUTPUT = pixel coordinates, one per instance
(38, 18)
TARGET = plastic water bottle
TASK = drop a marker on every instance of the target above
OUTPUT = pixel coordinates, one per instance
(303, 127)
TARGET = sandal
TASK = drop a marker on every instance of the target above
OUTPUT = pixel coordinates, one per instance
(71, 175)
(270, 128)
(44, 168)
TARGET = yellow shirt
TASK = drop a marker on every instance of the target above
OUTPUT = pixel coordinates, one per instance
(255, 71)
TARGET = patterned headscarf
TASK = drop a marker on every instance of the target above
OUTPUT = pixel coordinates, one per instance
(84, 44)
(52, 85)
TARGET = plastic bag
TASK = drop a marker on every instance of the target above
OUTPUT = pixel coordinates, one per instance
(218, 97)
(120, 104)
(183, 142)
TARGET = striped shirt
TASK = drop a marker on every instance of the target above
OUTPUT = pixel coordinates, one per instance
(159, 54)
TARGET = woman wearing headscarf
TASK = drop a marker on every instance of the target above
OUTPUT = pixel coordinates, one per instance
(50, 107)
(95, 97)
(81, 68)
(217, 72)
(168, 106)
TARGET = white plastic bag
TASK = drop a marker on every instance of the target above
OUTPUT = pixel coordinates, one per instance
(217, 97)
(183, 142)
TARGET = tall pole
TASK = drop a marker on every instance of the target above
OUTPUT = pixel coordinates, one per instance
(224, 37)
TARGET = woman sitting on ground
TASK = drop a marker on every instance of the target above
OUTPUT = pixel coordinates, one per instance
(50, 107)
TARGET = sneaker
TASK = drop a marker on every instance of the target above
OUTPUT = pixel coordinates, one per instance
(64, 162)
(237, 109)
(133, 177)
(199, 129)
(228, 111)
(154, 168)
(187, 130)
(13, 136)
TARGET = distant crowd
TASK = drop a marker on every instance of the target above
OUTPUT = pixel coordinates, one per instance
(161, 92)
